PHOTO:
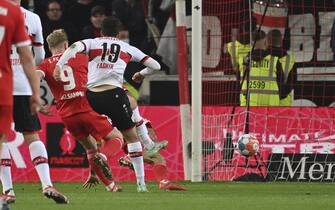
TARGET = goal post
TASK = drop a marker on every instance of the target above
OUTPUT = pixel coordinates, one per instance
(184, 96)
(196, 90)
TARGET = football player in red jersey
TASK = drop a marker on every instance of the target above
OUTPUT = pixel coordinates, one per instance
(12, 31)
(25, 122)
(74, 109)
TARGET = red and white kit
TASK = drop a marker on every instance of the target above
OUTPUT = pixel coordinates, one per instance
(71, 103)
(12, 31)
(109, 57)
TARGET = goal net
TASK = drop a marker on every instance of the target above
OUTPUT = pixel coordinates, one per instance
(296, 138)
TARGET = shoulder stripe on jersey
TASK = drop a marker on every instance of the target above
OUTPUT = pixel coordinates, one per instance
(84, 46)
(36, 44)
(125, 56)
(94, 53)
(144, 59)
(23, 44)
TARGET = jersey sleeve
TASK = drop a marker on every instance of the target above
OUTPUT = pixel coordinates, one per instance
(38, 40)
(137, 55)
(21, 38)
(42, 68)
(87, 45)
(78, 47)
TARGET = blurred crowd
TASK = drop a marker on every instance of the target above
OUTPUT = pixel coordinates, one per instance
(144, 20)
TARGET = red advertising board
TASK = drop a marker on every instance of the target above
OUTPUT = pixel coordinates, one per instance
(280, 131)
(67, 159)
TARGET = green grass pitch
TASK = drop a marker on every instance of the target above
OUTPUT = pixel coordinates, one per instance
(200, 196)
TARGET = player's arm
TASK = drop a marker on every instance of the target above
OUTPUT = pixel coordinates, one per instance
(151, 64)
(69, 53)
(28, 64)
(40, 70)
(38, 48)
(39, 54)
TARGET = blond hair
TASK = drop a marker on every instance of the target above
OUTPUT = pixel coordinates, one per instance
(56, 37)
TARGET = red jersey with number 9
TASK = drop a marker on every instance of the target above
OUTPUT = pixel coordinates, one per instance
(70, 92)
(12, 31)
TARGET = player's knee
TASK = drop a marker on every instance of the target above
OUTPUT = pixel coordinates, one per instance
(130, 135)
(133, 102)
(30, 137)
(115, 134)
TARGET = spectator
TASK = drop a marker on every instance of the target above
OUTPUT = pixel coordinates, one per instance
(158, 14)
(131, 14)
(287, 61)
(266, 77)
(167, 47)
(93, 30)
(54, 20)
(79, 12)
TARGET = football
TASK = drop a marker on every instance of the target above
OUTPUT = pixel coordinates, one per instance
(247, 145)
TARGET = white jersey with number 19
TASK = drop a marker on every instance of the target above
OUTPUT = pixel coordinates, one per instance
(109, 57)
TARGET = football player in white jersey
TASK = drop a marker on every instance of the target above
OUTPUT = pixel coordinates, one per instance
(108, 59)
(26, 123)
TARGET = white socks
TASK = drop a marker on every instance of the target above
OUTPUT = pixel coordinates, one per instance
(135, 153)
(142, 130)
(5, 169)
(39, 156)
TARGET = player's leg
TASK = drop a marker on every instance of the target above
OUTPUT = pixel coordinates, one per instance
(29, 125)
(115, 104)
(159, 165)
(6, 119)
(6, 178)
(99, 165)
(140, 128)
(150, 146)
(112, 143)
(5, 174)
(81, 126)
(159, 168)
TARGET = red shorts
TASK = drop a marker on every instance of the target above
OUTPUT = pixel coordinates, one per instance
(6, 118)
(82, 125)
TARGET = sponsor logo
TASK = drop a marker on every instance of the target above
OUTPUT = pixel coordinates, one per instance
(72, 95)
(104, 66)
(321, 142)
(301, 167)
(63, 149)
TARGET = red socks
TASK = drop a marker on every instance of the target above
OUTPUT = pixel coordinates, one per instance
(160, 172)
(111, 147)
